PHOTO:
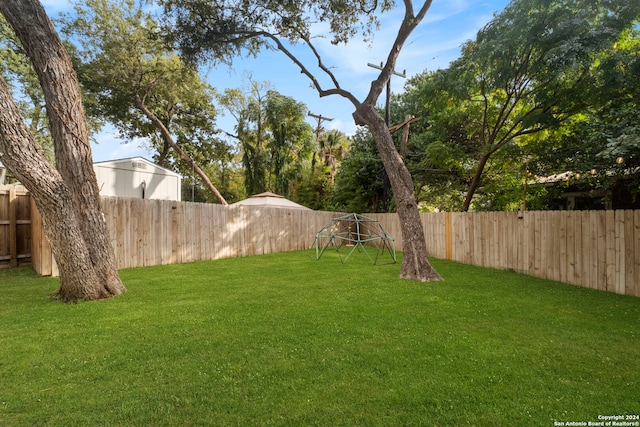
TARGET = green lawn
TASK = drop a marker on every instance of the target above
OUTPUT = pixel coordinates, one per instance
(287, 340)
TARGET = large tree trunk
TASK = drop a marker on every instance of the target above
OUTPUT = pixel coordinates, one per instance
(415, 264)
(475, 182)
(75, 182)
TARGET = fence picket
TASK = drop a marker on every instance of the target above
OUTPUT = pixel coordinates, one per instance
(599, 249)
(629, 249)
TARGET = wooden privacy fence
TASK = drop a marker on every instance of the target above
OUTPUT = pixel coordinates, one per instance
(156, 232)
(596, 249)
(15, 226)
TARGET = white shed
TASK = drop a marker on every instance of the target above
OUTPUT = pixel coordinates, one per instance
(137, 177)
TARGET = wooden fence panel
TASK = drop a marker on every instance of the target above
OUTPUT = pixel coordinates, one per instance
(5, 229)
(636, 260)
(599, 249)
(15, 226)
(629, 250)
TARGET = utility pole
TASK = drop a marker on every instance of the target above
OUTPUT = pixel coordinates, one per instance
(387, 110)
(320, 119)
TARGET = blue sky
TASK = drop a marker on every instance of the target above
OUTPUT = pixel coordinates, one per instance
(434, 44)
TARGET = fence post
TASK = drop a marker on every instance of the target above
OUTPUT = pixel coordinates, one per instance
(13, 247)
(448, 230)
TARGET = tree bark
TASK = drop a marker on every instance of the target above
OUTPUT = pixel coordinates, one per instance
(475, 182)
(75, 183)
(415, 264)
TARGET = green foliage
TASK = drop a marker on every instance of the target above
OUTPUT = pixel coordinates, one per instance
(291, 140)
(275, 142)
(123, 66)
(332, 148)
(546, 83)
(317, 186)
(284, 339)
(614, 125)
(315, 190)
(208, 31)
(600, 146)
(359, 185)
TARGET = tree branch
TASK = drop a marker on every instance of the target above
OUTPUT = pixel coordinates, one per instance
(304, 70)
(409, 22)
(169, 139)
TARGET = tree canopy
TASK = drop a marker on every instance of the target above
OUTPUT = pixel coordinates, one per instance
(531, 71)
(275, 141)
(144, 89)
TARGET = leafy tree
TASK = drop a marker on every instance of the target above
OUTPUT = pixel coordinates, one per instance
(215, 30)
(315, 189)
(618, 90)
(599, 146)
(359, 185)
(291, 142)
(144, 89)
(441, 143)
(527, 71)
(67, 195)
(333, 146)
(274, 138)
(251, 134)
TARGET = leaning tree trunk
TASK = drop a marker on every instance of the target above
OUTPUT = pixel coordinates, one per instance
(70, 134)
(475, 182)
(20, 153)
(168, 139)
(415, 264)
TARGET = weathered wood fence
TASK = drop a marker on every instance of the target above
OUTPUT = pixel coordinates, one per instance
(157, 232)
(596, 249)
(15, 226)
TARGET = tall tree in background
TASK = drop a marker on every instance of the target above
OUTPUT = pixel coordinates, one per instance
(274, 138)
(543, 87)
(206, 30)
(601, 145)
(359, 185)
(291, 141)
(141, 87)
(67, 195)
(618, 92)
(333, 147)
(529, 67)
(443, 148)
(250, 132)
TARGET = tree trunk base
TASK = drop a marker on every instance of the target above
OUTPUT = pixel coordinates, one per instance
(68, 294)
(419, 270)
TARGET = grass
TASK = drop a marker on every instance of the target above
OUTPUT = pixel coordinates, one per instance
(290, 341)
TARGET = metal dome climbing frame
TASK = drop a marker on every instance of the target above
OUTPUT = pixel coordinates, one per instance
(352, 232)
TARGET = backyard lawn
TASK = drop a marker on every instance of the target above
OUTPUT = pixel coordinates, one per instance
(285, 339)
